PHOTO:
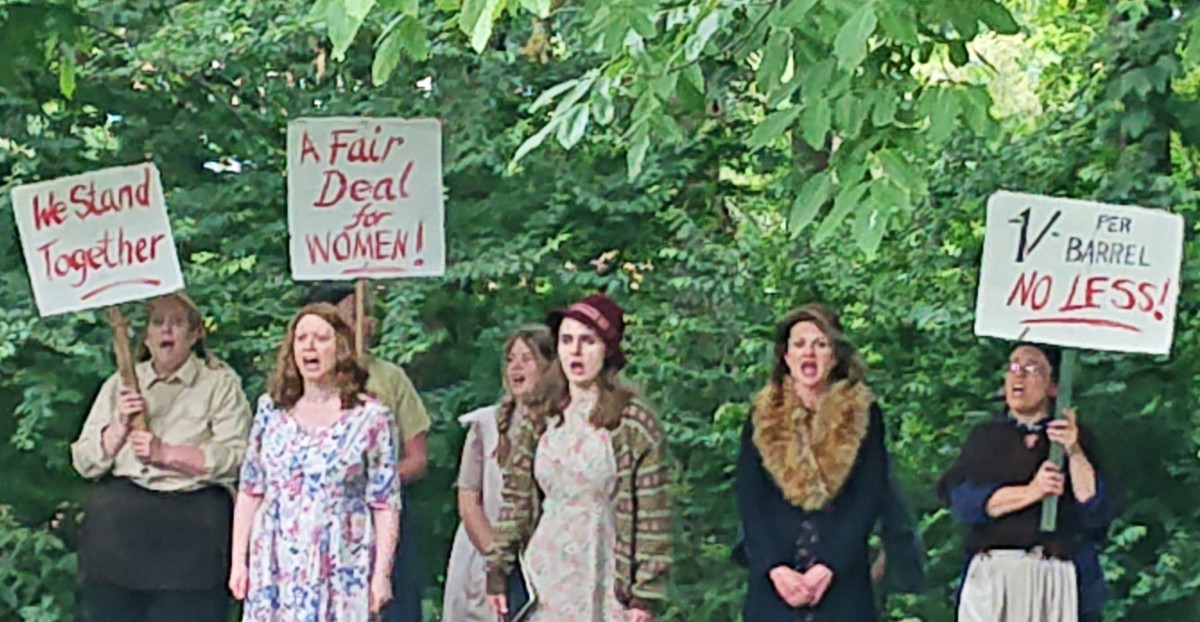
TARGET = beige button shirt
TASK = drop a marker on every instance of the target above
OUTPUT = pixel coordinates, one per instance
(197, 406)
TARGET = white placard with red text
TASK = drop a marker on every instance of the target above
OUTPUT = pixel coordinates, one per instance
(365, 198)
(1079, 274)
(97, 239)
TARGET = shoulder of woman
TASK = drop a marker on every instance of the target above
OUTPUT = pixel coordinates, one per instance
(642, 420)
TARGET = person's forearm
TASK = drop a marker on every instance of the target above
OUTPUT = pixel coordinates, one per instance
(1083, 477)
(410, 468)
(387, 534)
(186, 459)
(112, 438)
(1011, 499)
(244, 510)
(479, 529)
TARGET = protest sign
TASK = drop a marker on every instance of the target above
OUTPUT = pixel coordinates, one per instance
(365, 198)
(97, 239)
(1079, 274)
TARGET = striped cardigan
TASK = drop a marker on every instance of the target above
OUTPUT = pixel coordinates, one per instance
(643, 509)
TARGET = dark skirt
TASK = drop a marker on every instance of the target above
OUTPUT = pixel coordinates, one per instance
(142, 539)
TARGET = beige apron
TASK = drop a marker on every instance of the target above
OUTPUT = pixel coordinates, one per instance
(1018, 586)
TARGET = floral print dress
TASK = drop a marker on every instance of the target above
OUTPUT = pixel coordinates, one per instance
(570, 556)
(312, 544)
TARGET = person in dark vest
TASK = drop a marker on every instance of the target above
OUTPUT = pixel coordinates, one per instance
(154, 542)
(1013, 570)
(811, 479)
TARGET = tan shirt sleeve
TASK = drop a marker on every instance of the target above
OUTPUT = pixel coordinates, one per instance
(470, 469)
(230, 428)
(86, 454)
(392, 386)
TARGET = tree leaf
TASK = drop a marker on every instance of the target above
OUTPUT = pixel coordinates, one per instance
(897, 168)
(772, 127)
(883, 108)
(774, 60)
(1192, 51)
(791, 14)
(943, 108)
(694, 45)
(869, 227)
(811, 197)
(387, 56)
(958, 53)
(815, 123)
(637, 151)
(602, 103)
(997, 17)
(846, 201)
(850, 46)
(540, 8)
(549, 94)
(66, 71)
(476, 21)
(850, 112)
(571, 130)
(359, 9)
(415, 38)
(533, 142)
(342, 29)
(899, 23)
(977, 109)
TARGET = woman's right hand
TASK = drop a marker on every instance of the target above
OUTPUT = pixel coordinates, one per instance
(499, 603)
(239, 581)
(790, 586)
(129, 403)
(1049, 481)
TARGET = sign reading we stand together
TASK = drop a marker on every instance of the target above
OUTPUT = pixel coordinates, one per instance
(97, 239)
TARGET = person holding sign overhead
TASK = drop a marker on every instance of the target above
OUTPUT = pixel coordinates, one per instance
(811, 479)
(154, 543)
(586, 499)
(528, 353)
(317, 516)
(392, 387)
(1014, 570)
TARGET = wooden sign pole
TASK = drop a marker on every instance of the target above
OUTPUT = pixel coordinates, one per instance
(125, 359)
(1066, 390)
(360, 305)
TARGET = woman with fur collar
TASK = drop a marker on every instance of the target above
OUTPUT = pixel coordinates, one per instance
(810, 479)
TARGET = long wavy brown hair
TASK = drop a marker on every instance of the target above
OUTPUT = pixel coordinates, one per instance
(286, 386)
(847, 365)
(541, 343)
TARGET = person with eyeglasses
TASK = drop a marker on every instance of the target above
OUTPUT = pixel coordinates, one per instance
(1013, 570)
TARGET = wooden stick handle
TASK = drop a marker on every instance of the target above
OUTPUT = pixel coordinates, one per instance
(360, 308)
(125, 359)
(1066, 395)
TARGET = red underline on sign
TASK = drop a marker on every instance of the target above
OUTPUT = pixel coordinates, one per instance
(1084, 321)
(101, 290)
(374, 270)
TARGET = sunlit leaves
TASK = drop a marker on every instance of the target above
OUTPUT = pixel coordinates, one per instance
(850, 46)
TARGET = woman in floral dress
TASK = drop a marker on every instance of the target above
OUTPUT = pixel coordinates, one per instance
(317, 516)
(587, 451)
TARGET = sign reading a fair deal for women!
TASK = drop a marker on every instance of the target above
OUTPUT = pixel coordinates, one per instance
(1079, 274)
(365, 198)
(98, 239)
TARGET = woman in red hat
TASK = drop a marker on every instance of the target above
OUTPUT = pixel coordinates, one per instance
(586, 493)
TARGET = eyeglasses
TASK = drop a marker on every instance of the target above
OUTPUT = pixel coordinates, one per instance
(1017, 369)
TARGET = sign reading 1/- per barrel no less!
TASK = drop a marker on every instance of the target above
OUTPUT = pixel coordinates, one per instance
(1079, 274)
(365, 198)
(97, 239)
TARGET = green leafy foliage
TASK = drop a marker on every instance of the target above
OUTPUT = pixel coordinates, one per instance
(710, 165)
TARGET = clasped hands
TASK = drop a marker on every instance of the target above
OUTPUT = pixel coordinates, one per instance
(801, 589)
(147, 447)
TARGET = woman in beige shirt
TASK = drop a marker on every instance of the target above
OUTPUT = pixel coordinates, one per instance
(528, 352)
(154, 543)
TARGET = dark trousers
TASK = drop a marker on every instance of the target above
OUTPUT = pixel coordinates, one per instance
(101, 602)
(408, 585)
